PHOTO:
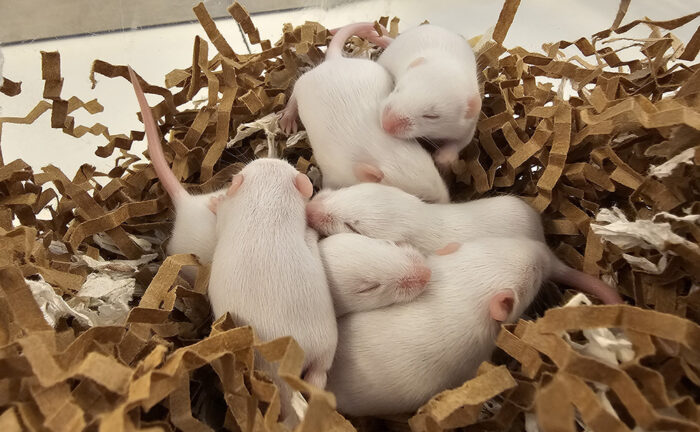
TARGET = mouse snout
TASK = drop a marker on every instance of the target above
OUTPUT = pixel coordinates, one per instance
(316, 215)
(393, 123)
(418, 278)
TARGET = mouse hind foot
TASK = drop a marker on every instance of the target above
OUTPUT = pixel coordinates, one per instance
(288, 119)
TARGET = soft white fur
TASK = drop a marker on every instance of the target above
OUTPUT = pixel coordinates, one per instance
(266, 269)
(194, 230)
(339, 104)
(392, 360)
(365, 273)
(441, 85)
(385, 212)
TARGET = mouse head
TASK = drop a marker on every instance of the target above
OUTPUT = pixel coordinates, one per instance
(370, 209)
(433, 100)
(268, 183)
(365, 273)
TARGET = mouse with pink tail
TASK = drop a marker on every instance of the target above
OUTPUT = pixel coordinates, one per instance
(194, 230)
(339, 103)
(385, 212)
(267, 270)
(436, 95)
(394, 359)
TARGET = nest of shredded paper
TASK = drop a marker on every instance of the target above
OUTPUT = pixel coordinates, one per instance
(98, 331)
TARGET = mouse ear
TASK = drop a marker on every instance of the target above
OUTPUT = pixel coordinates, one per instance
(235, 184)
(502, 305)
(473, 107)
(416, 62)
(450, 248)
(367, 173)
(303, 185)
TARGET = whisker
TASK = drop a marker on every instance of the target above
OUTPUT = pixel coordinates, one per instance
(238, 156)
(432, 143)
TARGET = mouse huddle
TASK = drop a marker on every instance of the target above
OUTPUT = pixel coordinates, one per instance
(393, 293)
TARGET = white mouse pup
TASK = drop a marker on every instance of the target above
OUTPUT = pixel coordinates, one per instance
(386, 212)
(365, 273)
(339, 103)
(392, 360)
(381, 211)
(266, 270)
(436, 95)
(194, 230)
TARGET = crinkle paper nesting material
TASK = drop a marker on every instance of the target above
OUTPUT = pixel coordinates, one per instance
(99, 331)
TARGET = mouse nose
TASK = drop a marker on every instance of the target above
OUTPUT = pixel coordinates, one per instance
(315, 214)
(393, 123)
(418, 278)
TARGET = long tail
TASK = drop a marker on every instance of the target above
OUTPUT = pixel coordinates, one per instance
(365, 29)
(170, 183)
(584, 282)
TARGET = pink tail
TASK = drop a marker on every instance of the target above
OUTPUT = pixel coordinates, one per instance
(364, 29)
(170, 183)
(585, 283)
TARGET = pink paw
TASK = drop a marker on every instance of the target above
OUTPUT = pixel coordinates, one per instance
(445, 157)
(214, 203)
(288, 121)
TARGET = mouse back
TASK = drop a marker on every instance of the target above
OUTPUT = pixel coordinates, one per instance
(267, 188)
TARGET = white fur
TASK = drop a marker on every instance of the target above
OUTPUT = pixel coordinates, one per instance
(194, 230)
(339, 105)
(365, 273)
(392, 360)
(386, 212)
(267, 271)
(441, 85)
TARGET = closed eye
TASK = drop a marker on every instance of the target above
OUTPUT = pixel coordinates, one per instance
(351, 228)
(368, 289)
(431, 116)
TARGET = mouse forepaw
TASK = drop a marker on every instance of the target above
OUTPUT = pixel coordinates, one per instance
(214, 202)
(288, 121)
(445, 157)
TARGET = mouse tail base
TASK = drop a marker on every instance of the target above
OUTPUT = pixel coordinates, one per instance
(584, 283)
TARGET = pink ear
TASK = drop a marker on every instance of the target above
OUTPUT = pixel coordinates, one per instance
(235, 184)
(501, 305)
(303, 185)
(473, 107)
(416, 62)
(450, 248)
(368, 173)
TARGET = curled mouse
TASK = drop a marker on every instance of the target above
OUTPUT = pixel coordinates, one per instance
(267, 271)
(393, 360)
(338, 102)
(365, 273)
(194, 230)
(436, 95)
(385, 212)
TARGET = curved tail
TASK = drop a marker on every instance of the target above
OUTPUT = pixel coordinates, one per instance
(170, 183)
(584, 282)
(364, 29)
